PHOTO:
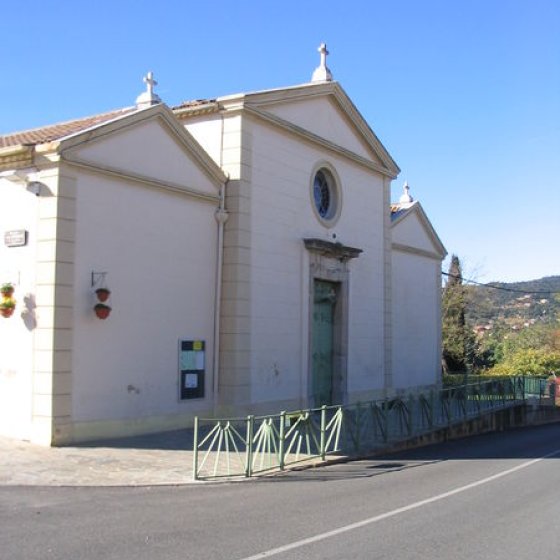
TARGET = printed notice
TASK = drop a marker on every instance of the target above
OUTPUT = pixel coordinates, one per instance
(191, 381)
(188, 360)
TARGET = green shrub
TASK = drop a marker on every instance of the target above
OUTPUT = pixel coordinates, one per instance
(528, 362)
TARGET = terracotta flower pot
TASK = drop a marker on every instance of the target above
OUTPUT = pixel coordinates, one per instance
(103, 294)
(102, 311)
(7, 311)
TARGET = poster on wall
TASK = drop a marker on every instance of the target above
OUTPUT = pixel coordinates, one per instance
(192, 358)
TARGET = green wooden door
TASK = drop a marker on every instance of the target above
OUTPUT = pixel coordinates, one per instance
(322, 339)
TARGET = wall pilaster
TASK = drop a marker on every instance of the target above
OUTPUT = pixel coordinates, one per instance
(387, 291)
(52, 380)
(235, 328)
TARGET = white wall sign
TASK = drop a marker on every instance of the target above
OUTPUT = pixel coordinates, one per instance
(15, 238)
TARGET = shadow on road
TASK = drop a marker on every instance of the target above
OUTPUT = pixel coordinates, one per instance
(522, 443)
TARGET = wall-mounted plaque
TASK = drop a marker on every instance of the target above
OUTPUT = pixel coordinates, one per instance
(15, 238)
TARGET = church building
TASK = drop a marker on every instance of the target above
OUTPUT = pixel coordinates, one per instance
(222, 257)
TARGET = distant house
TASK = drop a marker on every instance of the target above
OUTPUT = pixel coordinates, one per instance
(254, 262)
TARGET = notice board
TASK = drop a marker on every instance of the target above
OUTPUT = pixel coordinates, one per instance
(192, 363)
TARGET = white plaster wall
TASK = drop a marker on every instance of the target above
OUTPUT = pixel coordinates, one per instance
(282, 216)
(208, 133)
(18, 210)
(147, 148)
(416, 320)
(411, 232)
(221, 137)
(159, 252)
(323, 117)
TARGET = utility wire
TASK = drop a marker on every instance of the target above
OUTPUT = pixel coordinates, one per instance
(537, 292)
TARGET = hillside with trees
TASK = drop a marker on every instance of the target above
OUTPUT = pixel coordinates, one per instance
(518, 304)
(500, 328)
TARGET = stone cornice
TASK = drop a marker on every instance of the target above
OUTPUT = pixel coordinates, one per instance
(166, 117)
(13, 157)
(280, 95)
(312, 90)
(255, 104)
(329, 249)
(196, 110)
(365, 130)
(416, 208)
(142, 179)
(416, 251)
(308, 136)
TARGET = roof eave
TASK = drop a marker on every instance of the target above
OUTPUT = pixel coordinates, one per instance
(17, 156)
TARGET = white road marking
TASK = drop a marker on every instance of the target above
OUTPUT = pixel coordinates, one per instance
(404, 509)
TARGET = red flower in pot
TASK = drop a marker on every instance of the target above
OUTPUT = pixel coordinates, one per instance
(7, 307)
(102, 311)
(103, 294)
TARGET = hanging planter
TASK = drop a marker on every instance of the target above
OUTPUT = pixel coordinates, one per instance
(7, 307)
(103, 294)
(7, 290)
(102, 311)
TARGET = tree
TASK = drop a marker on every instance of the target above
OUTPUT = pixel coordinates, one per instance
(458, 340)
(528, 361)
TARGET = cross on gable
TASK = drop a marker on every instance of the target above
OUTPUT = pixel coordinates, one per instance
(322, 73)
(148, 98)
(324, 52)
(150, 82)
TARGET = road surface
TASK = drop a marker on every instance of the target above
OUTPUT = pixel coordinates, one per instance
(490, 497)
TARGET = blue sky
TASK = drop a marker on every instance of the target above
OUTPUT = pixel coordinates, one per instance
(465, 95)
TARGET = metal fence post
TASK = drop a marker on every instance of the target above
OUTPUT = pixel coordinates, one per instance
(281, 437)
(195, 449)
(249, 446)
(432, 408)
(386, 419)
(411, 406)
(358, 420)
(323, 435)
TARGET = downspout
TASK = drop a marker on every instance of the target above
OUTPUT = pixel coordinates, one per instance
(221, 217)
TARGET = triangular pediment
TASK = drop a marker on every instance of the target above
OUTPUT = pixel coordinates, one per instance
(323, 117)
(148, 144)
(411, 230)
(324, 112)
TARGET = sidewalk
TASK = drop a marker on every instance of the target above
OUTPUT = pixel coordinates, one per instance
(155, 459)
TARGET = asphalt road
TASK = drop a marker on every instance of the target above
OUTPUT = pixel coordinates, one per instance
(490, 497)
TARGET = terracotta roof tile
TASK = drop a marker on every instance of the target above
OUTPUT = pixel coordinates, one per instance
(59, 130)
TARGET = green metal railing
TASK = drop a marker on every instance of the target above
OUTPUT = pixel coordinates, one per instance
(256, 444)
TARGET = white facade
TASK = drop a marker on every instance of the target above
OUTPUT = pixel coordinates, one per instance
(219, 240)
(416, 296)
(19, 210)
(273, 143)
(108, 215)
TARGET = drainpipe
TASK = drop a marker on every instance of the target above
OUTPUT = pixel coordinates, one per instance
(221, 217)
